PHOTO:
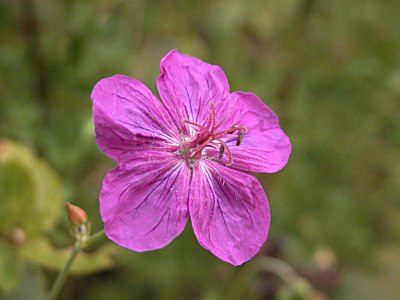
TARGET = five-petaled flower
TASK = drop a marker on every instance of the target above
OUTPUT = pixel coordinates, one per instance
(188, 155)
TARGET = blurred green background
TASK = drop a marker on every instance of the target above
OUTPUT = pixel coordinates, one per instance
(329, 69)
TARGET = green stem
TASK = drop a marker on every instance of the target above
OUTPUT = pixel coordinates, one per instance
(58, 284)
(94, 239)
(79, 245)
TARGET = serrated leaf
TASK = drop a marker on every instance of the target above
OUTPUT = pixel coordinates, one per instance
(43, 253)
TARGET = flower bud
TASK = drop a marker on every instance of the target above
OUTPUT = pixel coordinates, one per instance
(76, 215)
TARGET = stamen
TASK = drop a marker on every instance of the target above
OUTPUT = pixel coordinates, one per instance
(214, 117)
(243, 129)
(207, 125)
(201, 146)
(212, 146)
(206, 135)
(230, 160)
(221, 151)
(231, 130)
(239, 138)
(195, 124)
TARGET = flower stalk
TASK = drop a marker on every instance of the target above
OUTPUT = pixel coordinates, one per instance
(83, 240)
(80, 244)
(58, 284)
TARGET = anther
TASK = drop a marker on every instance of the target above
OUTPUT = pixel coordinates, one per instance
(230, 158)
(239, 138)
(221, 151)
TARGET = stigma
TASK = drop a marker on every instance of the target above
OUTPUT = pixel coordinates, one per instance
(212, 135)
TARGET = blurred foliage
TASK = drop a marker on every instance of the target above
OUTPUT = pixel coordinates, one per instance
(330, 70)
(42, 253)
(30, 183)
(31, 202)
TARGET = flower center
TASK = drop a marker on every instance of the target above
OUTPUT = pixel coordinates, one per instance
(210, 135)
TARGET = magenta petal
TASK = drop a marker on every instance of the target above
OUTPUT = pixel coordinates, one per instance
(265, 147)
(127, 116)
(187, 85)
(229, 212)
(143, 202)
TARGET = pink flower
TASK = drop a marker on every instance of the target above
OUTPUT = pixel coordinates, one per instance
(187, 155)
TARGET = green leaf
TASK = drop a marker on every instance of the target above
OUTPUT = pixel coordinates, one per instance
(43, 253)
(30, 192)
(10, 268)
(16, 195)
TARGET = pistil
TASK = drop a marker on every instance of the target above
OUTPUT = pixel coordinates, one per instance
(207, 135)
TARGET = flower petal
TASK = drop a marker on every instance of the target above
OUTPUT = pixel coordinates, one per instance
(187, 85)
(265, 147)
(127, 116)
(143, 201)
(229, 212)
